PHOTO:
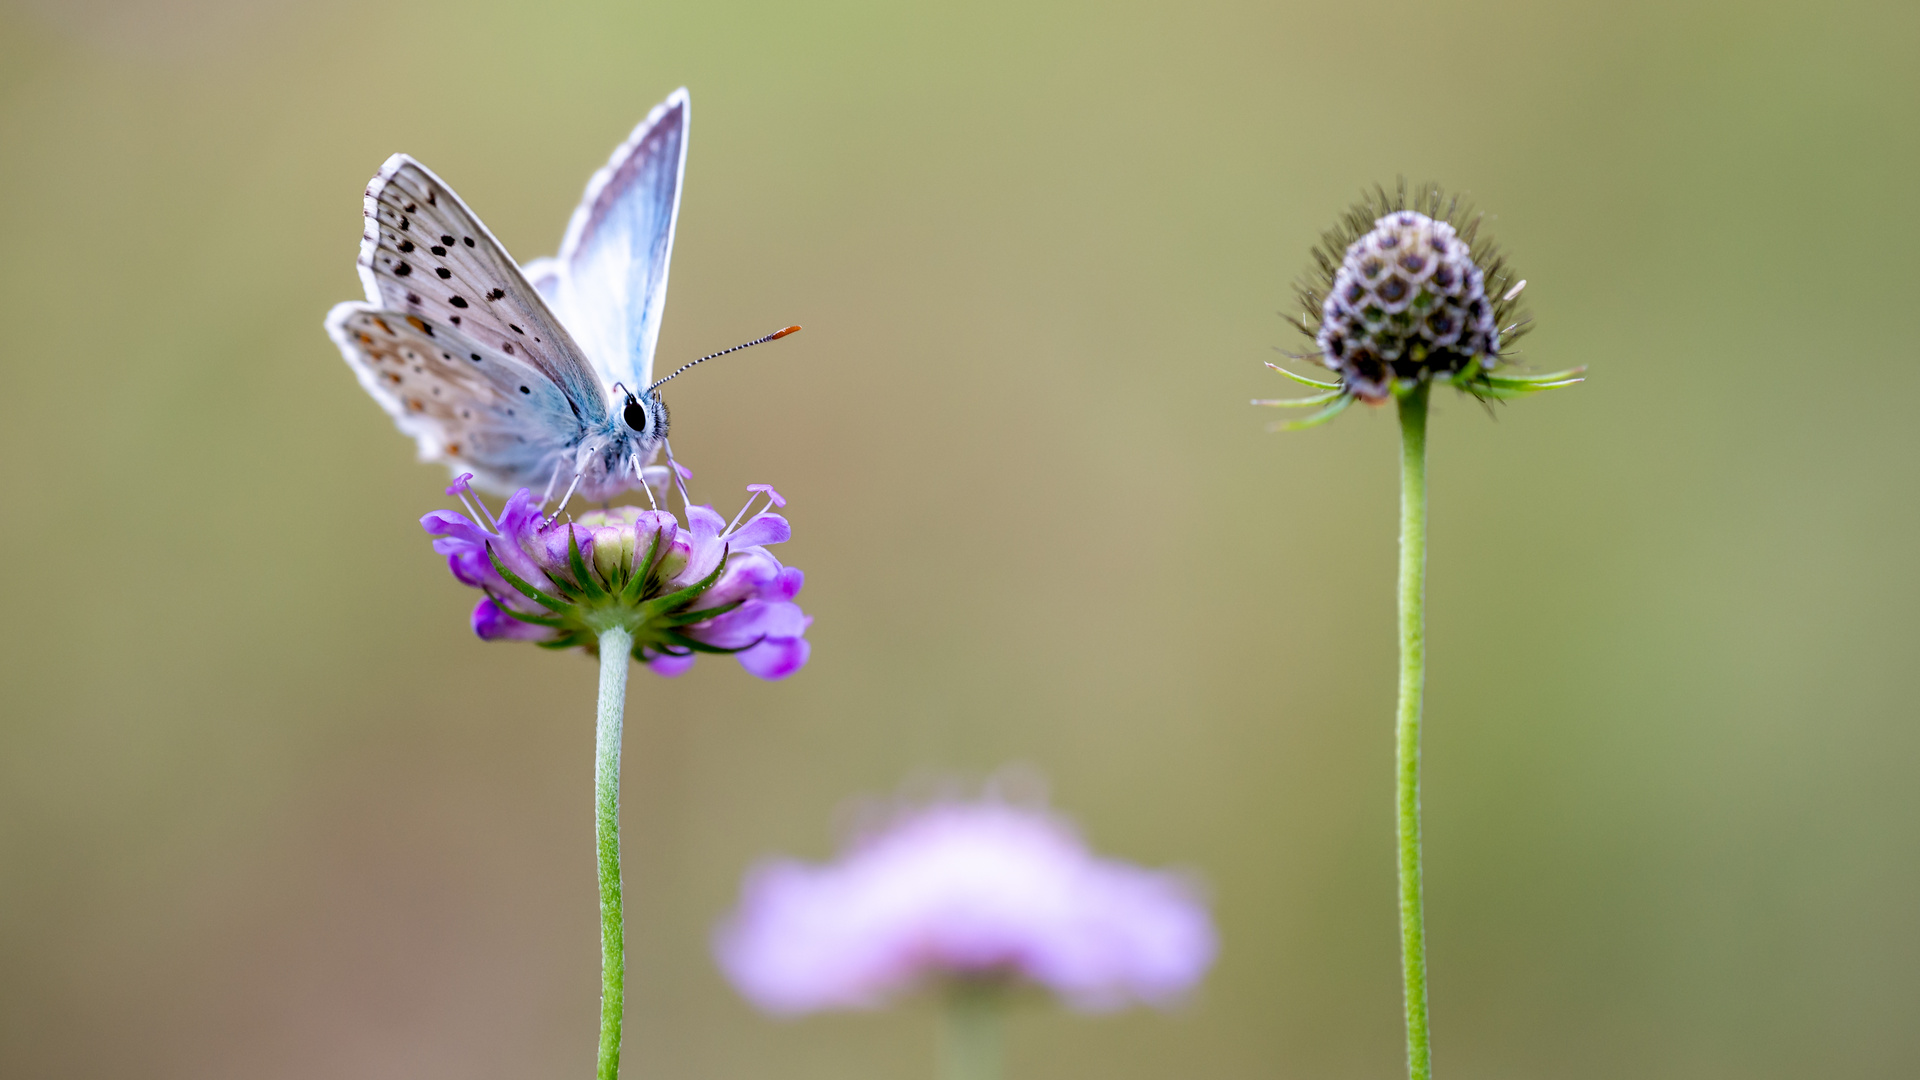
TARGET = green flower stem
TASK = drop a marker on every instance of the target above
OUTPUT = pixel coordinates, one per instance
(1413, 669)
(615, 645)
(971, 1042)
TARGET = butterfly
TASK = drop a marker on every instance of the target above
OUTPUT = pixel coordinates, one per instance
(524, 377)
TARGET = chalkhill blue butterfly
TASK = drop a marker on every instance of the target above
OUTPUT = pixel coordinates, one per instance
(529, 377)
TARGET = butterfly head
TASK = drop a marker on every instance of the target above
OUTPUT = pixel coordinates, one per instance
(645, 415)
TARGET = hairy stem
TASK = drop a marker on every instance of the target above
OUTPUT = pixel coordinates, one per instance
(615, 645)
(1413, 668)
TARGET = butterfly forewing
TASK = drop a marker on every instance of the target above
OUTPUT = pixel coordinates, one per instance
(614, 259)
(426, 254)
(465, 402)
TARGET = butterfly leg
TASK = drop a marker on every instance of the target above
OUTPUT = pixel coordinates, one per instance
(640, 475)
(552, 483)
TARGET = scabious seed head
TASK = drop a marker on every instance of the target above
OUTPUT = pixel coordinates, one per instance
(706, 586)
(1408, 302)
(1406, 291)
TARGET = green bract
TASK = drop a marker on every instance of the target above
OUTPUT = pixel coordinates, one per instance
(614, 592)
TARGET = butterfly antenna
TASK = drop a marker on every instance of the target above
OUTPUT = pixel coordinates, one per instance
(775, 336)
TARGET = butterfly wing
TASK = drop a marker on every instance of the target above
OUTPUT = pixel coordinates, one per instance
(425, 254)
(611, 278)
(465, 402)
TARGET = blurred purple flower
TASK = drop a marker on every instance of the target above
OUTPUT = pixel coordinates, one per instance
(710, 564)
(981, 890)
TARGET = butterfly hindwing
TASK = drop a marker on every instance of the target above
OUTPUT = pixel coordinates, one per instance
(611, 278)
(424, 253)
(465, 402)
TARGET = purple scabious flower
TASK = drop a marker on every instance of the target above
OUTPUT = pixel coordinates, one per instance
(708, 585)
(969, 891)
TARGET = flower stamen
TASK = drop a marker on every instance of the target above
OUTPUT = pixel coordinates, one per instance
(471, 499)
(680, 476)
(755, 491)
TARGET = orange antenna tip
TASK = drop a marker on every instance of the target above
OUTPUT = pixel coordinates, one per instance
(783, 333)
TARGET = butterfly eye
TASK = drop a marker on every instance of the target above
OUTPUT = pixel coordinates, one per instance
(635, 414)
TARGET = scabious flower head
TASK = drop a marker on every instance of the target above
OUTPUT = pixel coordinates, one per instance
(707, 585)
(969, 891)
(1406, 292)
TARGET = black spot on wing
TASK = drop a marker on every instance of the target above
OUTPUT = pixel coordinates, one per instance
(496, 294)
(468, 239)
(401, 269)
(457, 301)
(446, 239)
(406, 245)
(443, 272)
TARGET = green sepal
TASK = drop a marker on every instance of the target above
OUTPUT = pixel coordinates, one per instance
(1529, 383)
(1507, 387)
(688, 618)
(537, 620)
(565, 641)
(1303, 380)
(660, 605)
(637, 584)
(688, 643)
(526, 590)
(1339, 406)
(1497, 393)
(1298, 403)
(588, 586)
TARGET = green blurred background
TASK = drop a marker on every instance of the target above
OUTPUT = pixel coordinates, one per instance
(267, 809)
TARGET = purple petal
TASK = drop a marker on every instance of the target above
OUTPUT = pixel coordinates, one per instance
(456, 525)
(470, 567)
(750, 622)
(749, 574)
(704, 547)
(764, 529)
(493, 624)
(788, 586)
(776, 658)
(669, 666)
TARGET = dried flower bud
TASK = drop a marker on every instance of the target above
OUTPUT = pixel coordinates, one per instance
(1408, 302)
(1406, 292)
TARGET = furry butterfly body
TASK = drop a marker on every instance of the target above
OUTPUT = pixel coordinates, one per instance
(533, 378)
